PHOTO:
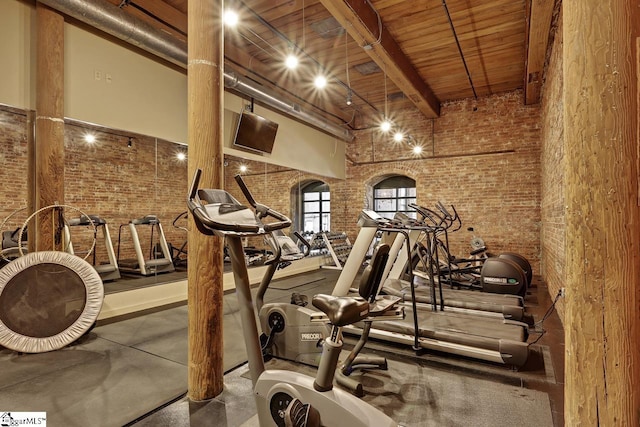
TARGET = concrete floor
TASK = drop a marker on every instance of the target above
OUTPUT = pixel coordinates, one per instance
(134, 372)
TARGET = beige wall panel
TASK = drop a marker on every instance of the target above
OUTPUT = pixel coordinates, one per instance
(17, 55)
(110, 85)
(297, 146)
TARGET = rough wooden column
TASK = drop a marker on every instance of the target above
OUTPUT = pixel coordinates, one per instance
(603, 233)
(205, 109)
(31, 171)
(48, 157)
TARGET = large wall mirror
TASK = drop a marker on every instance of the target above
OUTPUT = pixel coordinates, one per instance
(133, 187)
(126, 157)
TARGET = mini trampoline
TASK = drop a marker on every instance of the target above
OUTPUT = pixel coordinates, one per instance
(48, 300)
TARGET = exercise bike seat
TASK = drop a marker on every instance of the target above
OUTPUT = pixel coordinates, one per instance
(341, 311)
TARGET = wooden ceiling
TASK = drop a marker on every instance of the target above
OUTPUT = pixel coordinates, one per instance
(418, 53)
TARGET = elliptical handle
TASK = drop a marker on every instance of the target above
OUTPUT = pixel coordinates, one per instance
(444, 210)
(305, 243)
(245, 191)
(179, 217)
(456, 218)
(427, 213)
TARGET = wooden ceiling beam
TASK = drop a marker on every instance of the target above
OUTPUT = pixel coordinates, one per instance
(361, 22)
(539, 15)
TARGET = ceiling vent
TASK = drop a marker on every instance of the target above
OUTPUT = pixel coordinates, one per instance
(396, 96)
(328, 28)
(367, 68)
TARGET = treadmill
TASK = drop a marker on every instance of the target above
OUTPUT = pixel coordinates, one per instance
(493, 339)
(107, 270)
(508, 306)
(491, 304)
(159, 260)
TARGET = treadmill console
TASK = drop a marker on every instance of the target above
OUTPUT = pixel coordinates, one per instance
(369, 218)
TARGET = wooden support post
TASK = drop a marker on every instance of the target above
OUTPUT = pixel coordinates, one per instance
(31, 172)
(602, 366)
(205, 268)
(48, 157)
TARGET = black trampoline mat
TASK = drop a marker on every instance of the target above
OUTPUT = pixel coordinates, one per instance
(42, 300)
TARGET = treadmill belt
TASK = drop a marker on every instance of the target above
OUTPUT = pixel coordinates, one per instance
(431, 325)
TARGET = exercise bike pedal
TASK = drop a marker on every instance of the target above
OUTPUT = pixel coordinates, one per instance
(300, 414)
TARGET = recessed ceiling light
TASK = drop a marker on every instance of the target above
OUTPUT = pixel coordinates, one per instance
(230, 18)
(243, 168)
(417, 149)
(385, 126)
(398, 137)
(320, 81)
(90, 138)
(181, 156)
(291, 61)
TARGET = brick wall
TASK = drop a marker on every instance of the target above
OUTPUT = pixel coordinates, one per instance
(483, 156)
(107, 178)
(13, 169)
(553, 165)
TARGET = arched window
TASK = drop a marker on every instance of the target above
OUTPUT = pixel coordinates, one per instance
(316, 207)
(393, 195)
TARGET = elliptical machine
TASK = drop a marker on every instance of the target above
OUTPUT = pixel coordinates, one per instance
(282, 397)
(498, 275)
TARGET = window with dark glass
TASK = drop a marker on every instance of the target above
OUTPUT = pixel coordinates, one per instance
(393, 195)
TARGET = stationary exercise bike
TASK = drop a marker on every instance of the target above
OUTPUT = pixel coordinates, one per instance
(290, 331)
(297, 333)
(282, 397)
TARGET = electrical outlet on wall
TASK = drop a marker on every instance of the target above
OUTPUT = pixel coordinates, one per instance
(97, 75)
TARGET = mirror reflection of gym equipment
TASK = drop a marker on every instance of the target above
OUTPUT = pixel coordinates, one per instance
(48, 299)
(11, 239)
(107, 270)
(179, 254)
(159, 259)
(10, 249)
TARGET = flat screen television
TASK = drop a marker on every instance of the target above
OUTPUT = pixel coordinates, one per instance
(255, 133)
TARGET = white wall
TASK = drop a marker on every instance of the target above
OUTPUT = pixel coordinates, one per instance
(112, 86)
